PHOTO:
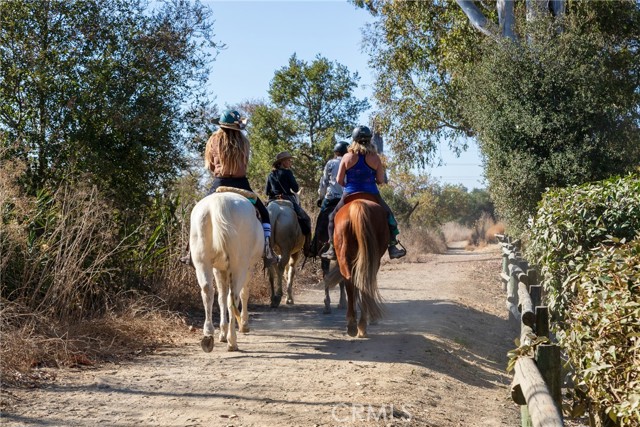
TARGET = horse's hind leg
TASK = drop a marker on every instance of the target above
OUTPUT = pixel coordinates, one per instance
(244, 297)
(223, 291)
(205, 280)
(232, 301)
(352, 295)
(291, 272)
(342, 304)
(362, 324)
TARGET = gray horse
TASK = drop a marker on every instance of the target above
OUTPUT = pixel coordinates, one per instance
(287, 241)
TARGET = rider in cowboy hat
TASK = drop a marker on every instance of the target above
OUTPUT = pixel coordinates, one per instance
(281, 184)
(226, 156)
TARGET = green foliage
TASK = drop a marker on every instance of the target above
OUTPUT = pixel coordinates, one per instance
(416, 49)
(98, 90)
(544, 118)
(602, 334)
(319, 97)
(571, 222)
(557, 107)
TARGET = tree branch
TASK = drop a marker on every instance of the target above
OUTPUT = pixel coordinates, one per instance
(477, 19)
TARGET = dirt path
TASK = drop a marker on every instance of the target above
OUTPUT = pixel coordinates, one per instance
(437, 359)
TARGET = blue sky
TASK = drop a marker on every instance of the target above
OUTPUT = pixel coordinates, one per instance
(262, 35)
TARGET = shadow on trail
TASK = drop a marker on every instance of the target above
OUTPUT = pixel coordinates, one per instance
(439, 335)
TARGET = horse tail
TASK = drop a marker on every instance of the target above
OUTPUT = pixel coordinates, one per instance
(222, 229)
(365, 269)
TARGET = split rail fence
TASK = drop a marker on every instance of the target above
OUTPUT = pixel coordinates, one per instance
(537, 382)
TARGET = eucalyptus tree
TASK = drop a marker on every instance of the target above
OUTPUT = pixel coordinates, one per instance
(105, 91)
(548, 89)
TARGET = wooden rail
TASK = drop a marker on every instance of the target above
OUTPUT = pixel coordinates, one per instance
(536, 385)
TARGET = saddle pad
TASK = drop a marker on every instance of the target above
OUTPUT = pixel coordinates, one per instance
(248, 194)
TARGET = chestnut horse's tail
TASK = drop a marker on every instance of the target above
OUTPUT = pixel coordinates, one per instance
(364, 274)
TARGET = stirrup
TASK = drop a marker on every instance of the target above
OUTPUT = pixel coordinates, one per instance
(394, 252)
(330, 254)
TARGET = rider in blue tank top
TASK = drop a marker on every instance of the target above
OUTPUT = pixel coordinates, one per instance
(362, 176)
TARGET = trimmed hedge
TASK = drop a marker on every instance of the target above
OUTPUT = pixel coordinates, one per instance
(571, 222)
(586, 241)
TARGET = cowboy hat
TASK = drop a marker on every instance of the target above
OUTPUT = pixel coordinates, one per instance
(283, 155)
(230, 119)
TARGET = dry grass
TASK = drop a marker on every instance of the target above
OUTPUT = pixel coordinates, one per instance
(454, 232)
(31, 341)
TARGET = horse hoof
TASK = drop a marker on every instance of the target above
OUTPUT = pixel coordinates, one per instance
(352, 330)
(327, 310)
(222, 338)
(289, 301)
(207, 344)
(362, 335)
(275, 302)
(244, 329)
(232, 347)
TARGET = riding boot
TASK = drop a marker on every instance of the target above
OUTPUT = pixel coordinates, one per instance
(396, 252)
(330, 253)
(269, 256)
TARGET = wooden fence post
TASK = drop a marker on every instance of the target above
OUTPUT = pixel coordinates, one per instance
(542, 321)
(548, 361)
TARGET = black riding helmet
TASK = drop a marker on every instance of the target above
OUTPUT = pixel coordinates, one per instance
(341, 148)
(362, 133)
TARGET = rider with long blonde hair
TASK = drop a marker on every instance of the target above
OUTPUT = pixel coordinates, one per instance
(360, 171)
(226, 156)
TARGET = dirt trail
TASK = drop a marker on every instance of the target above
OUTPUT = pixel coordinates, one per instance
(437, 359)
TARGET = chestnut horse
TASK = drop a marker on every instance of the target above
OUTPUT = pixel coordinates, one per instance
(360, 238)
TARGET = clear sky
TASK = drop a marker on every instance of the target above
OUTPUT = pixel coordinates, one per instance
(261, 36)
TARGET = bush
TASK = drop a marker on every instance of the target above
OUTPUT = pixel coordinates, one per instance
(570, 222)
(590, 277)
(602, 336)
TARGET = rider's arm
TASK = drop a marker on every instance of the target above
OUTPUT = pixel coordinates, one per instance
(267, 189)
(324, 181)
(292, 180)
(342, 170)
(379, 171)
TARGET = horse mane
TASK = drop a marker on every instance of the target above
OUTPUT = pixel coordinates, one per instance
(367, 262)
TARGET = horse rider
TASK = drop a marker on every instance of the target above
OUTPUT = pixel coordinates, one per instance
(282, 185)
(329, 194)
(360, 170)
(226, 156)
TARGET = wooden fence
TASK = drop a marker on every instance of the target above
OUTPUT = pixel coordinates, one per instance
(537, 382)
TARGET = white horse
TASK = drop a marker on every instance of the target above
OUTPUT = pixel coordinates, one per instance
(226, 240)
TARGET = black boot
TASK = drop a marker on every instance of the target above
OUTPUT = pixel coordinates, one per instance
(269, 257)
(396, 252)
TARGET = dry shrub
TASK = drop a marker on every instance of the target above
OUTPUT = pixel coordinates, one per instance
(31, 340)
(422, 241)
(485, 229)
(455, 232)
(490, 235)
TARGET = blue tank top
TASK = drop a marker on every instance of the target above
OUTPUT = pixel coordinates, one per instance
(361, 178)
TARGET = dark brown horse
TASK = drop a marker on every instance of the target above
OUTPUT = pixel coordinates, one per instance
(360, 237)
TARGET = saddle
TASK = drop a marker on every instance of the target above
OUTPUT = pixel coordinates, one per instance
(253, 197)
(361, 196)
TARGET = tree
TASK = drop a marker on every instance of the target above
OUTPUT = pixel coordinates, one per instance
(538, 122)
(319, 96)
(103, 91)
